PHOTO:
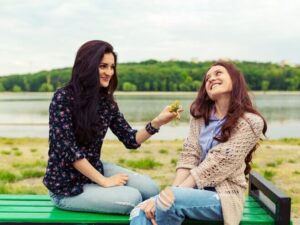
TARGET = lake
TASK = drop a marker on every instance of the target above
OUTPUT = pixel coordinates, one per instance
(26, 114)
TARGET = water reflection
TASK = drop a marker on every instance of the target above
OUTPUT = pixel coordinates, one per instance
(26, 114)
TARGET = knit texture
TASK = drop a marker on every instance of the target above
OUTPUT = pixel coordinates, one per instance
(224, 165)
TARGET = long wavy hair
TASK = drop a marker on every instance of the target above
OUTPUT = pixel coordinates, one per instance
(240, 103)
(85, 87)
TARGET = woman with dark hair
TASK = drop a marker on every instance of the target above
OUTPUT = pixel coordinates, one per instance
(210, 179)
(80, 115)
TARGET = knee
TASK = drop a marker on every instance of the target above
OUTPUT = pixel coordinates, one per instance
(152, 190)
(129, 200)
(148, 188)
(165, 199)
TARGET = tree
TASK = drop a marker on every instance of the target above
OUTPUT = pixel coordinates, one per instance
(147, 86)
(46, 87)
(173, 86)
(127, 86)
(2, 88)
(196, 85)
(154, 86)
(265, 85)
(293, 83)
(16, 88)
(152, 75)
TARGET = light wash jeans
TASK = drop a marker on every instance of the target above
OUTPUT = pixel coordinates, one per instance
(189, 203)
(118, 199)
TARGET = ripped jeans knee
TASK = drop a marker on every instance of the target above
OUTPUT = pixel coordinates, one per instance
(165, 199)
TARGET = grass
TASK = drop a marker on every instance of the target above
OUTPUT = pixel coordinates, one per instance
(163, 151)
(296, 172)
(24, 165)
(32, 173)
(144, 163)
(277, 160)
(174, 162)
(5, 152)
(33, 150)
(7, 176)
(269, 174)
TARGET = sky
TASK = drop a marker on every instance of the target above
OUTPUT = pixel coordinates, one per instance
(46, 34)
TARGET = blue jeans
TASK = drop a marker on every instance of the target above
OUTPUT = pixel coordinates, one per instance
(118, 199)
(189, 203)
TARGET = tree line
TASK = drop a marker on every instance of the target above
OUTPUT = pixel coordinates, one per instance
(152, 75)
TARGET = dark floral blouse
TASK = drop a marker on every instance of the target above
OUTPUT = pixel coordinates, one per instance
(61, 177)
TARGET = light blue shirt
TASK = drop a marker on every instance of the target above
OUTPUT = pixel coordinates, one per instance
(207, 134)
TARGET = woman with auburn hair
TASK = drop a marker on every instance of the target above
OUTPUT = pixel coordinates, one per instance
(80, 115)
(210, 180)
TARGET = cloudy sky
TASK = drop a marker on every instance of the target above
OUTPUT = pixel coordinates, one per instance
(45, 34)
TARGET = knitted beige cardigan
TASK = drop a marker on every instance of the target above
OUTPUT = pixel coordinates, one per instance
(224, 165)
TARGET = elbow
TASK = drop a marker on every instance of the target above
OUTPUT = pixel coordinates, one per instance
(132, 146)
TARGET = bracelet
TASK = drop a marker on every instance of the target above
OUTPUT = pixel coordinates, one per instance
(151, 130)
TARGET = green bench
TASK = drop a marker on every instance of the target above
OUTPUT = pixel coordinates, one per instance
(264, 205)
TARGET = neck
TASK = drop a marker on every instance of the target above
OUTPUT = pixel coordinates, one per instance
(222, 106)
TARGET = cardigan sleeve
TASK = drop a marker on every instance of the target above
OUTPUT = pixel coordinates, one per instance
(61, 134)
(190, 156)
(225, 158)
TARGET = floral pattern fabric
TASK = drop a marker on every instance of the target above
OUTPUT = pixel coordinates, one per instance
(61, 177)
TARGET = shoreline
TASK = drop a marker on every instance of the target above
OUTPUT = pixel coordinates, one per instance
(284, 140)
(271, 92)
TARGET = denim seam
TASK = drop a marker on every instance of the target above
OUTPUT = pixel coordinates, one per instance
(206, 206)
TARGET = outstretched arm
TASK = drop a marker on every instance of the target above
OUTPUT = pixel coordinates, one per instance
(163, 118)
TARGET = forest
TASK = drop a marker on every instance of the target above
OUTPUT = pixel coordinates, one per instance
(153, 75)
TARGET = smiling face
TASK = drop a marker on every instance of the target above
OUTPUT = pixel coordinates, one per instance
(106, 69)
(218, 82)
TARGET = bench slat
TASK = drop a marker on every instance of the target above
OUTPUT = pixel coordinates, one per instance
(65, 217)
(71, 217)
(25, 197)
(25, 203)
(29, 209)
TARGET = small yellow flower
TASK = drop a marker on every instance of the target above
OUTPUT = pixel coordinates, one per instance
(175, 106)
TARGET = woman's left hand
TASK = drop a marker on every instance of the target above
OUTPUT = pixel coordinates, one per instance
(165, 117)
(149, 208)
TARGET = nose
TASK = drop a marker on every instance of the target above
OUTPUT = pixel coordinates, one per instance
(211, 78)
(109, 71)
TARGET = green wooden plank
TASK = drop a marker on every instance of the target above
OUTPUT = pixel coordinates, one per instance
(24, 197)
(63, 217)
(49, 208)
(249, 199)
(264, 217)
(25, 203)
(254, 211)
(251, 205)
(27, 209)
(195, 222)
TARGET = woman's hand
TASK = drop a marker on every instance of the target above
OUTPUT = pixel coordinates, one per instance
(119, 179)
(149, 208)
(165, 117)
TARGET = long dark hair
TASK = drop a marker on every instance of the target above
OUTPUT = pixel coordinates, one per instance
(240, 103)
(85, 86)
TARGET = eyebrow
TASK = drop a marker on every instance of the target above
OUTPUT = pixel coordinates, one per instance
(106, 64)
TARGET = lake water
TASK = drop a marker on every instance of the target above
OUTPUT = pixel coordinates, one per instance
(26, 114)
